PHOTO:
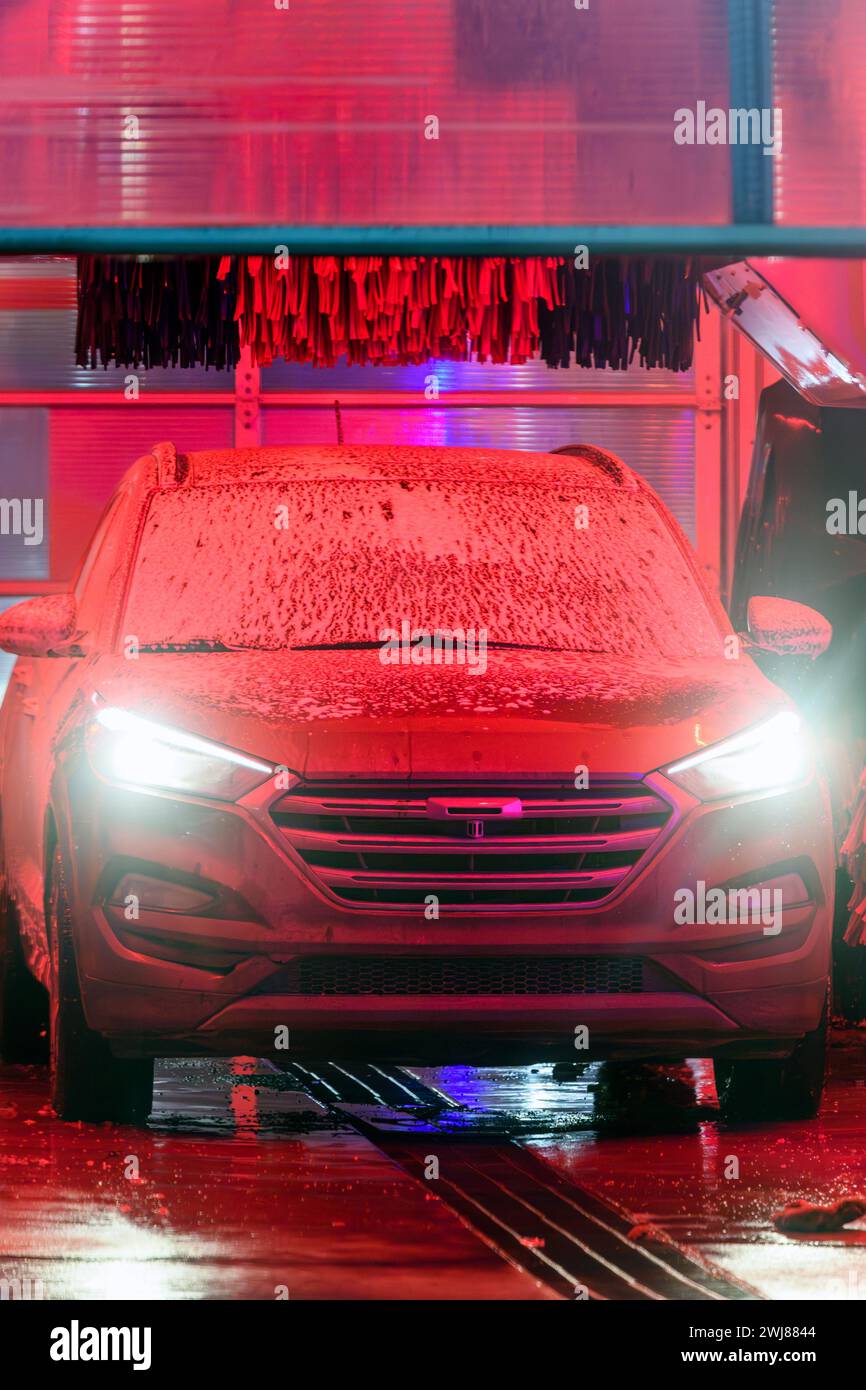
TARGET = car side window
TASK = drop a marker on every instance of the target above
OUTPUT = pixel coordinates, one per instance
(95, 547)
(90, 585)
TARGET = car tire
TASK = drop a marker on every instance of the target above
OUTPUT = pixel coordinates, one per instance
(87, 1081)
(789, 1089)
(23, 1001)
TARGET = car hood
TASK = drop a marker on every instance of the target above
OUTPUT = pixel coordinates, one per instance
(343, 713)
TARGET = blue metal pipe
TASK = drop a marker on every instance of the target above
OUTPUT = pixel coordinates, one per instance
(724, 241)
(750, 50)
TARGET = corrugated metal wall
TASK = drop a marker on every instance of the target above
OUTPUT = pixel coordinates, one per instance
(660, 444)
(37, 337)
(56, 442)
(90, 450)
(819, 62)
(226, 111)
(25, 480)
(468, 376)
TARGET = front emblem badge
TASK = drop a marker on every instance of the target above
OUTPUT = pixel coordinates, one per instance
(475, 829)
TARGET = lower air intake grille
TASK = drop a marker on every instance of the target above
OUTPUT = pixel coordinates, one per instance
(531, 975)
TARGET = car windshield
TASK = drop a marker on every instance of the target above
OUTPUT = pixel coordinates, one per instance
(338, 562)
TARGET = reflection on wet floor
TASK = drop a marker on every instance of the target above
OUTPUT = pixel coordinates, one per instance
(243, 1184)
(252, 1095)
(243, 1096)
(238, 1188)
(604, 1097)
(717, 1188)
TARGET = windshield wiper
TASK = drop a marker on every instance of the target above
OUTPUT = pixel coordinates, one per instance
(197, 644)
(204, 644)
(512, 646)
(337, 647)
(531, 647)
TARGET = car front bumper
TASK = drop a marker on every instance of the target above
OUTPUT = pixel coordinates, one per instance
(171, 984)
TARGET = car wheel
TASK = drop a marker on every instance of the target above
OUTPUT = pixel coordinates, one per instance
(789, 1089)
(87, 1081)
(23, 1001)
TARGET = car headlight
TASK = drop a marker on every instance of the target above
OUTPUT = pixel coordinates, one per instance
(769, 756)
(124, 747)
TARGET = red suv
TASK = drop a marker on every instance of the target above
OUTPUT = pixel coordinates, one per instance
(414, 753)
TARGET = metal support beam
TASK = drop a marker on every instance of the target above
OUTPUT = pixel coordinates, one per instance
(81, 398)
(249, 398)
(248, 424)
(472, 400)
(708, 449)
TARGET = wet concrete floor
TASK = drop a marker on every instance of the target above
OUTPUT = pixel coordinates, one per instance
(244, 1186)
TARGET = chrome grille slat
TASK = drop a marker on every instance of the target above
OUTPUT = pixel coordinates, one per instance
(639, 805)
(358, 844)
(430, 882)
(390, 845)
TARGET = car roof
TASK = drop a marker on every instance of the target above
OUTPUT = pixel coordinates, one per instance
(584, 465)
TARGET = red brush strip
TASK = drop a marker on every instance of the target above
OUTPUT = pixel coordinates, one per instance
(391, 310)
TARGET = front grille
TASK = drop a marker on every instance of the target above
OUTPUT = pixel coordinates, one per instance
(473, 846)
(321, 975)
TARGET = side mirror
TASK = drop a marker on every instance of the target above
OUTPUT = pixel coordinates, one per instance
(42, 626)
(789, 629)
